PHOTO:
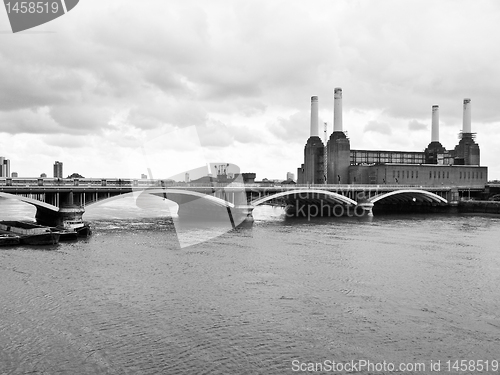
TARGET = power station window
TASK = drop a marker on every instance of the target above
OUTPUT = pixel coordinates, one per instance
(416, 174)
(460, 175)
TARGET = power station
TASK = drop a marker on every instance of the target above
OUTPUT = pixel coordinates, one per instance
(435, 166)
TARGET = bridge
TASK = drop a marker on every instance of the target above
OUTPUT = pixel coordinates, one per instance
(57, 200)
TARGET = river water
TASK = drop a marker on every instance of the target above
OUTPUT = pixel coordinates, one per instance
(266, 299)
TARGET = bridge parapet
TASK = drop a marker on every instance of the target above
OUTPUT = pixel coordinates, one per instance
(145, 183)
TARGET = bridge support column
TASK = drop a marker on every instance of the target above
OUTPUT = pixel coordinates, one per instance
(367, 207)
(51, 218)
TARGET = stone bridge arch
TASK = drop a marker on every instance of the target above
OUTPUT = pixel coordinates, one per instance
(411, 195)
(179, 196)
(313, 196)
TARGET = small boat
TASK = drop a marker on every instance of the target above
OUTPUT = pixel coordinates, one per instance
(84, 231)
(78, 226)
(64, 234)
(30, 233)
(7, 239)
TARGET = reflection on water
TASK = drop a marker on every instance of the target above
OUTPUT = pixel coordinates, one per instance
(129, 300)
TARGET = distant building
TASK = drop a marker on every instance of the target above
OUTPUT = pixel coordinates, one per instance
(4, 167)
(43, 175)
(144, 176)
(58, 169)
(186, 178)
(290, 176)
(14, 175)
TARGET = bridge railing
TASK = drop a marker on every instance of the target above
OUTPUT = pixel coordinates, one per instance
(145, 183)
(29, 182)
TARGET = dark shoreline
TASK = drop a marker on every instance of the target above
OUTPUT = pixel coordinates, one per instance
(487, 207)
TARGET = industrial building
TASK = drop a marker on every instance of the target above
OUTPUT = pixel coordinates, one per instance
(336, 163)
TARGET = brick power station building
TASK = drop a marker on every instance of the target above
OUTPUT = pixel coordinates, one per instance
(435, 166)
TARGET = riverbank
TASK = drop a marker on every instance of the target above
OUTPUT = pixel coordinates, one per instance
(487, 207)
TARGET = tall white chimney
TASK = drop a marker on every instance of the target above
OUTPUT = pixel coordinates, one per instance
(314, 117)
(435, 123)
(337, 109)
(467, 117)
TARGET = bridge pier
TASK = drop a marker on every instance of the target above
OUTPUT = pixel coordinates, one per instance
(367, 207)
(51, 218)
(69, 210)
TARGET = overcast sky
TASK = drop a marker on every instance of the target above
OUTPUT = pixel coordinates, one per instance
(115, 87)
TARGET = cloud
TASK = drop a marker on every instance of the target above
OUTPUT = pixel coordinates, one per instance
(377, 127)
(293, 128)
(244, 73)
(215, 133)
(31, 121)
(416, 125)
(67, 141)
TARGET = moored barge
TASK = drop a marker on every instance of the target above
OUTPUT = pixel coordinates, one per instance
(30, 233)
(8, 239)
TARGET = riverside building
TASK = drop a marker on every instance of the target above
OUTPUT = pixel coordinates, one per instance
(435, 166)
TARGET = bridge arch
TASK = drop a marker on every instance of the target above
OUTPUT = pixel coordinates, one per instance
(337, 198)
(400, 196)
(31, 201)
(178, 196)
